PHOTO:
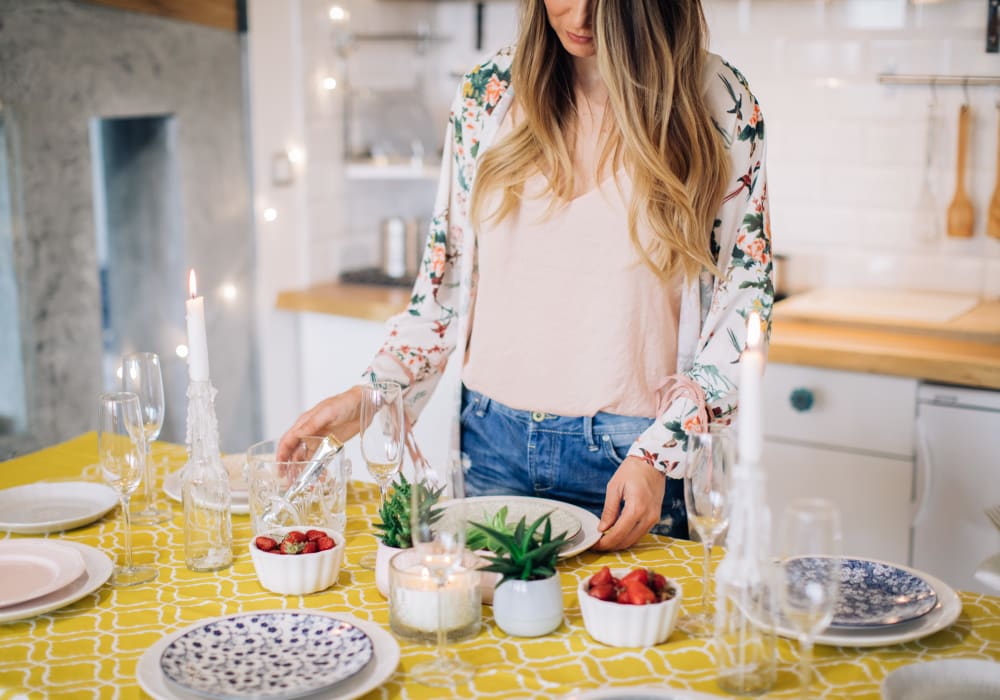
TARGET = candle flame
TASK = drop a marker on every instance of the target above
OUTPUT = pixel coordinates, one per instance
(753, 331)
(192, 284)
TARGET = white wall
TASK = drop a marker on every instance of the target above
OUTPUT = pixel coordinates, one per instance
(846, 154)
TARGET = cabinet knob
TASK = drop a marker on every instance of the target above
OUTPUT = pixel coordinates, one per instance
(801, 399)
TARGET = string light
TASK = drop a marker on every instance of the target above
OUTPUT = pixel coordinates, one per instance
(329, 83)
(338, 14)
(228, 292)
(270, 214)
(296, 155)
(181, 351)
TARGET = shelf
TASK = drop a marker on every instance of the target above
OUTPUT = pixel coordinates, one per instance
(369, 170)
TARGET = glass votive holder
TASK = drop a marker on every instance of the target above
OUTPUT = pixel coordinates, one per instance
(414, 599)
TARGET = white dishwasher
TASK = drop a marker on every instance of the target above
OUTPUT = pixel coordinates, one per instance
(958, 476)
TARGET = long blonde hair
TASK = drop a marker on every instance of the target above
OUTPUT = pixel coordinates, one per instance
(650, 54)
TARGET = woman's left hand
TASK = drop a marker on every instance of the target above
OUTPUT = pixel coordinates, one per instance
(641, 488)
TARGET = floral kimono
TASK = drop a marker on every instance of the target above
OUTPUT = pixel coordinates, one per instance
(714, 307)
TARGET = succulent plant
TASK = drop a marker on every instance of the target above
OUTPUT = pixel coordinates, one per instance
(395, 513)
(477, 539)
(523, 555)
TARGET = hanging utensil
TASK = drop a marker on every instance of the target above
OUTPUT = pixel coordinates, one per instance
(927, 221)
(960, 213)
(993, 214)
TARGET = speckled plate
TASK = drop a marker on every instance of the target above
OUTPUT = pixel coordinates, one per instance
(874, 593)
(266, 655)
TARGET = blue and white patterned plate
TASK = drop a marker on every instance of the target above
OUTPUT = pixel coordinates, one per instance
(266, 655)
(874, 593)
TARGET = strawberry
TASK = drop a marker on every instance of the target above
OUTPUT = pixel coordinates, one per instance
(641, 575)
(291, 545)
(638, 592)
(325, 543)
(602, 591)
(623, 597)
(309, 548)
(314, 535)
(265, 544)
(602, 577)
(295, 536)
(659, 583)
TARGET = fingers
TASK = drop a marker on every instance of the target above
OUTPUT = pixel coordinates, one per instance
(633, 523)
(337, 414)
(612, 506)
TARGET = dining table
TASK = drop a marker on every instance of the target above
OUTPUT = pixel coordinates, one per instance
(92, 647)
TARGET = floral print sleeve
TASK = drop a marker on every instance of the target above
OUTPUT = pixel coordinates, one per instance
(741, 241)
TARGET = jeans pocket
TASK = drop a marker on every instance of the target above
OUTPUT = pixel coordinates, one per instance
(616, 447)
(473, 404)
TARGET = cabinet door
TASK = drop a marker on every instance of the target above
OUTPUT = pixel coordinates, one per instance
(872, 492)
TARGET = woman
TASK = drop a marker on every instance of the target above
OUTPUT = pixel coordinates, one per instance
(602, 213)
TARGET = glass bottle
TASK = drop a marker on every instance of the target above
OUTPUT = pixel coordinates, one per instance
(746, 602)
(205, 494)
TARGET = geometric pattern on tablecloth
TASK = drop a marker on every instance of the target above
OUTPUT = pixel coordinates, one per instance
(90, 649)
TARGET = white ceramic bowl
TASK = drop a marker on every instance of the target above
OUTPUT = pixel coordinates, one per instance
(622, 625)
(297, 574)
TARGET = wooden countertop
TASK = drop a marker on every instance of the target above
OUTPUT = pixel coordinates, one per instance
(965, 350)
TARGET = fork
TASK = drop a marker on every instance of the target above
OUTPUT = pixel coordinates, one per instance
(993, 513)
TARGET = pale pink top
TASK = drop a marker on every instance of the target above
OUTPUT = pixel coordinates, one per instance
(567, 319)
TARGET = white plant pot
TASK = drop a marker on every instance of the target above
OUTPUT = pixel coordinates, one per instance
(382, 556)
(528, 608)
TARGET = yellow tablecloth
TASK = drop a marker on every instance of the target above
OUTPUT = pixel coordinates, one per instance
(90, 649)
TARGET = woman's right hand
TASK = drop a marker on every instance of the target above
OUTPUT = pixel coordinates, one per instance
(339, 415)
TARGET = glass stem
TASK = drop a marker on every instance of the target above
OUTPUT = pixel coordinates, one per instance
(148, 476)
(383, 491)
(127, 525)
(704, 580)
(805, 665)
(442, 637)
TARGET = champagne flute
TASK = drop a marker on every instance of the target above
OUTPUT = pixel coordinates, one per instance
(383, 434)
(121, 448)
(141, 375)
(810, 581)
(706, 496)
(439, 540)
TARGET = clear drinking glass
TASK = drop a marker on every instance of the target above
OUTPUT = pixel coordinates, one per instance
(383, 434)
(711, 456)
(810, 582)
(141, 375)
(439, 541)
(121, 450)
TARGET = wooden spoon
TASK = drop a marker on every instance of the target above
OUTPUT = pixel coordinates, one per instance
(960, 213)
(993, 214)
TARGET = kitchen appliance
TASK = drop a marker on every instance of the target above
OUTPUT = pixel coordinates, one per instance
(402, 247)
(958, 477)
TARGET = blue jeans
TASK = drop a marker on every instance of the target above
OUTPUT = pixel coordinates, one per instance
(507, 451)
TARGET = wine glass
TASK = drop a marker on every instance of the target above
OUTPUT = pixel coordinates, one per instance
(438, 536)
(141, 375)
(810, 580)
(711, 455)
(121, 449)
(383, 433)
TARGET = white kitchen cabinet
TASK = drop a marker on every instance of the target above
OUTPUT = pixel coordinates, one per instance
(848, 437)
(335, 350)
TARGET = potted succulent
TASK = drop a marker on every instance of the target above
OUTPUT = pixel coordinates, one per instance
(395, 529)
(528, 600)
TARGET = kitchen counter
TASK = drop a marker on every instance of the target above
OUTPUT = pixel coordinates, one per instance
(963, 350)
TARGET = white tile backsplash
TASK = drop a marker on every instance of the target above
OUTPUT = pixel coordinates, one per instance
(846, 155)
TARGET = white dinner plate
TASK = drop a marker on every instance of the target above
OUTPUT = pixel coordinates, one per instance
(35, 567)
(35, 509)
(239, 503)
(377, 672)
(584, 538)
(483, 508)
(947, 610)
(954, 679)
(97, 570)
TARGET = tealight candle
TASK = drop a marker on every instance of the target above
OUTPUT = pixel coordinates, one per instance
(414, 598)
(751, 433)
(197, 339)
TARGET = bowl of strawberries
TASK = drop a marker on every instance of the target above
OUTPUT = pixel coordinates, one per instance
(629, 608)
(297, 560)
